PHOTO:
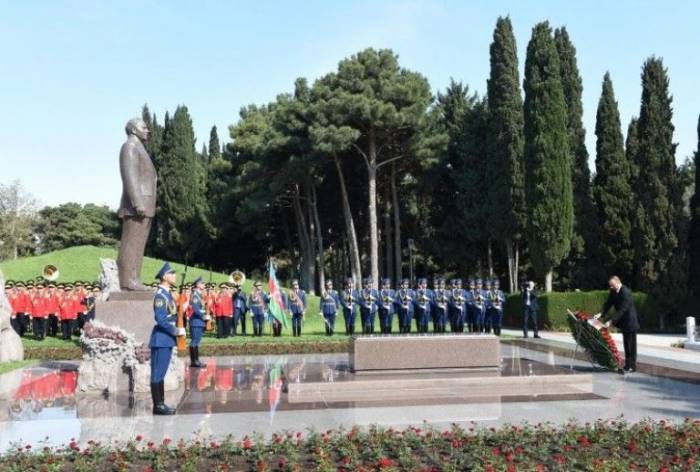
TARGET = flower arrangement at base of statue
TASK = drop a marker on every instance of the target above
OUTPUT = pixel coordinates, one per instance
(595, 338)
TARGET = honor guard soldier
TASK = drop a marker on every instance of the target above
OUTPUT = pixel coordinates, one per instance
(422, 306)
(441, 301)
(297, 307)
(198, 321)
(496, 301)
(433, 311)
(471, 310)
(258, 307)
(348, 300)
(386, 306)
(163, 338)
(404, 306)
(330, 303)
(455, 307)
(240, 308)
(479, 306)
(368, 306)
(487, 304)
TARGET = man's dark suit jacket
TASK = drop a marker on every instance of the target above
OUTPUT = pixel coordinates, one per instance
(534, 305)
(625, 317)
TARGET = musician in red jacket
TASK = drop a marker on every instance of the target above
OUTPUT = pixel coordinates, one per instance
(39, 312)
(70, 307)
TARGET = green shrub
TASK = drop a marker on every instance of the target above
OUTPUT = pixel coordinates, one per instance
(553, 306)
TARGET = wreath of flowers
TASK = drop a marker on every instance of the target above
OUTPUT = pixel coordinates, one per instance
(597, 342)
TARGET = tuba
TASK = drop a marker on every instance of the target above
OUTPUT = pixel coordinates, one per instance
(50, 273)
(237, 278)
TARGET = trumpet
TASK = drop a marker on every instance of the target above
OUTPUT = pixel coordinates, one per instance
(368, 298)
(496, 299)
(237, 278)
(405, 298)
(50, 273)
(386, 299)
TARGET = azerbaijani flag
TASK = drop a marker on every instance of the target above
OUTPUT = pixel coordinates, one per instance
(276, 306)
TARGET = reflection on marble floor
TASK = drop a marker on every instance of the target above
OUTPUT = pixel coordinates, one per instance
(238, 395)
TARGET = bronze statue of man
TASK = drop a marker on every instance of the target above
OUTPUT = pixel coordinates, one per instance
(138, 204)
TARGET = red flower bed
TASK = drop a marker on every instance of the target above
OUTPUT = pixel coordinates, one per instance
(605, 445)
(595, 338)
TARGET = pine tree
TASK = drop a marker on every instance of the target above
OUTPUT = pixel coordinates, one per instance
(548, 189)
(574, 267)
(611, 189)
(694, 232)
(506, 194)
(182, 223)
(655, 236)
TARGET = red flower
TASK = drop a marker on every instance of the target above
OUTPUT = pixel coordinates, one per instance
(139, 437)
(385, 462)
(247, 443)
(559, 459)
(509, 457)
(632, 446)
(496, 451)
(583, 441)
(456, 443)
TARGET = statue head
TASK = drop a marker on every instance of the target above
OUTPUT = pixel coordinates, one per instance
(137, 127)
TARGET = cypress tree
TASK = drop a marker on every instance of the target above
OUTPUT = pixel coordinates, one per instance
(632, 150)
(573, 268)
(182, 223)
(612, 192)
(506, 194)
(548, 190)
(694, 232)
(655, 236)
(214, 146)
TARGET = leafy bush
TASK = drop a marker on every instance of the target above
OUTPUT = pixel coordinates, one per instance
(553, 306)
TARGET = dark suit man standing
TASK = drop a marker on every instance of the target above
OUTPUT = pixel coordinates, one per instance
(625, 319)
(530, 307)
(138, 204)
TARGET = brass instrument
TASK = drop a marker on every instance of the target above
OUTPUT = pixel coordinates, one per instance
(442, 299)
(459, 298)
(348, 297)
(368, 298)
(478, 299)
(423, 299)
(50, 273)
(386, 299)
(496, 299)
(405, 298)
(237, 278)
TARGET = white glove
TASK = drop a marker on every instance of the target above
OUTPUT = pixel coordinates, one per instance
(207, 317)
(181, 332)
(596, 316)
(607, 324)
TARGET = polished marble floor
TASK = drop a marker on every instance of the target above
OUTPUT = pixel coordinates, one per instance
(239, 395)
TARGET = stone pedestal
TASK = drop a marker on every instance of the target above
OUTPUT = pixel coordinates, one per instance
(386, 353)
(131, 311)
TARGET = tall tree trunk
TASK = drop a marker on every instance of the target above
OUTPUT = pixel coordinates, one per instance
(509, 254)
(397, 226)
(287, 232)
(516, 269)
(306, 280)
(490, 258)
(372, 210)
(388, 241)
(548, 280)
(354, 254)
(319, 240)
(312, 234)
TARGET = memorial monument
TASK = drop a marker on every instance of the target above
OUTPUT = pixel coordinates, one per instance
(138, 204)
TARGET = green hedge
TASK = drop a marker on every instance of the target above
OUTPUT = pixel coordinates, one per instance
(553, 306)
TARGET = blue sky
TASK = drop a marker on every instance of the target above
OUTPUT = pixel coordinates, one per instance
(73, 72)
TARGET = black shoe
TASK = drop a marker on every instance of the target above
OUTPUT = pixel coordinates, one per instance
(162, 397)
(196, 359)
(537, 336)
(159, 408)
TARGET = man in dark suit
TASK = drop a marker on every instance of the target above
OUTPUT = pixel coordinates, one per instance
(138, 204)
(530, 307)
(625, 319)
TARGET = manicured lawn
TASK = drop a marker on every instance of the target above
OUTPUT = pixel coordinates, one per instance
(8, 366)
